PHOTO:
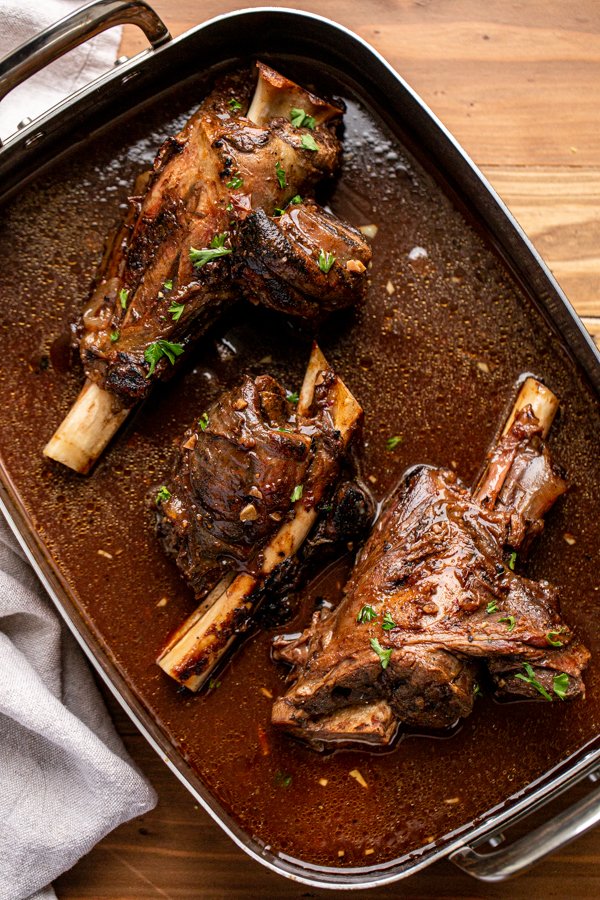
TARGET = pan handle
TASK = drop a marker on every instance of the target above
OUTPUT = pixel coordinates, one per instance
(73, 30)
(521, 854)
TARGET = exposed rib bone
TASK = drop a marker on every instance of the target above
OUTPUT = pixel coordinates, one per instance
(543, 402)
(543, 406)
(199, 644)
(368, 723)
(276, 96)
(90, 424)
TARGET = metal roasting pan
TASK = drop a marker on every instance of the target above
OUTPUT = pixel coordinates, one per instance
(168, 61)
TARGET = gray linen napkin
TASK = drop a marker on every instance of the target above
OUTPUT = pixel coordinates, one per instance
(65, 777)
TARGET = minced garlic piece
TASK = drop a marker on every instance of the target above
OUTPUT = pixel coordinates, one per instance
(249, 513)
(369, 231)
(356, 774)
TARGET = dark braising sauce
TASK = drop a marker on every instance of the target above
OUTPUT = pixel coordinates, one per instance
(432, 356)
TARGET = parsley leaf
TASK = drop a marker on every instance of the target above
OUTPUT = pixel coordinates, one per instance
(553, 638)
(392, 442)
(283, 780)
(203, 421)
(293, 398)
(163, 495)
(297, 493)
(388, 622)
(280, 172)
(235, 182)
(168, 285)
(532, 680)
(300, 119)
(123, 295)
(384, 655)
(511, 561)
(218, 241)
(176, 310)
(326, 260)
(560, 684)
(366, 614)
(234, 104)
(491, 607)
(510, 620)
(114, 336)
(157, 350)
(296, 200)
(308, 143)
(199, 258)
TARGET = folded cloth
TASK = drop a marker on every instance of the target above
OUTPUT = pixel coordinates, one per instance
(20, 20)
(65, 777)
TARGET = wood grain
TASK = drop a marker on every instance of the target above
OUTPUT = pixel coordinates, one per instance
(519, 85)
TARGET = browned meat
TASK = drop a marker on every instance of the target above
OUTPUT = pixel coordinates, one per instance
(304, 262)
(155, 295)
(236, 476)
(252, 481)
(434, 593)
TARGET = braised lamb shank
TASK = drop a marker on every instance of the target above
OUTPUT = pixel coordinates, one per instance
(226, 210)
(253, 480)
(433, 596)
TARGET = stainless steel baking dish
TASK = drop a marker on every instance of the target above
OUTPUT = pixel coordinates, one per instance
(234, 35)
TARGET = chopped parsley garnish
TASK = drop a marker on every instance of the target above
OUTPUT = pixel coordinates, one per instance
(532, 680)
(280, 172)
(283, 430)
(392, 442)
(384, 655)
(327, 508)
(553, 638)
(213, 684)
(203, 421)
(157, 350)
(512, 560)
(163, 495)
(283, 780)
(477, 690)
(326, 260)
(366, 614)
(123, 295)
(300, 119)
(297, 493)
(218, 241)
(235, 182)
(510, 620)
(176, 310)
(560, 685)
(278, 211)
(293, 398)
(296, 200)
(308, 142)
(229, 206)
(168, 285)
(491, 607)
(199, 258)
(388, 622)
(234, 104)
(114, 336)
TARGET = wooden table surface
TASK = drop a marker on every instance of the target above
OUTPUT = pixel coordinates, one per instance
(518, 84)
